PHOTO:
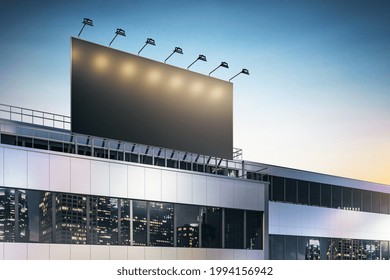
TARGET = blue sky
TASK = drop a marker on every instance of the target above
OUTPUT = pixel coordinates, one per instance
(318, 97)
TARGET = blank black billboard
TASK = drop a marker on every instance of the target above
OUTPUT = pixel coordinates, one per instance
(122, 96)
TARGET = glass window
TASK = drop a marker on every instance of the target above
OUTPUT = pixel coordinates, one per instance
(211, 227)
(103, 218)
(70, 221)
(291, 248)
(301, 250)
(291, 190)
(347, 198)
(31, 215)
(366, 201)
(315, 192)
(313, 249)
(303, 192)
(376, 202)
(254, 229)
(385, 250)
(277, 188)
(161, 224)
(187, 225)
(384, 203)
(336, 197)
(356, 199)
(326, 195)
(277, 247)
(124, 220)
(324, 248)
(234, 229)
(140, 221)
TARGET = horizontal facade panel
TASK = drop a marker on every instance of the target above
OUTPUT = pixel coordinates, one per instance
(60, 252)
(100, 178)
(100, 252)
(38, 251)
(199, 189)
(60, 173)
(15, 251)
(80, 172)
(184, 188)
(118, 180)
(227, 193)
(15, 168)
(153, 253)
(152, 184)
(136, 182)
(38, 171)
(213, 191)
(291, 219)
(169, 186)
(1, 166)
(80, 252)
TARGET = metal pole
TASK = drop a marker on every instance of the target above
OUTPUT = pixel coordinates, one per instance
(214, 69)
(112, 40)
(78, 36)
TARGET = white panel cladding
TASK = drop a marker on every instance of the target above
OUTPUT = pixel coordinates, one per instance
(1, 169)
(240, 194)
(252, 196)
(184, 188)
(292, 219)
(135, 253)
(199, 254)
(199, 189)
(59, 252)
(239, 254)
(60, 173)
(227, 193)
(100, 178)
(152, 184)
(185, 253)
(118, 180)
(254, 255)
(99, 252)
(38, 251)
(169, 186)
(118, 252)
(80, 176)
(80, 252)
(213, 254)
(136, 182)
(1, 250)
(227, 254)
(153, 253)
(15, 251)
(15, 168)
(168, 253)
(213, 191)
(38, 171)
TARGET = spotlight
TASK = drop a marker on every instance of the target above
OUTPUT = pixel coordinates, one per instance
(149, 41)
(223, 64)
(176, 50)
(120, 32)
(86, 21)
(201, 57)
(243, 71)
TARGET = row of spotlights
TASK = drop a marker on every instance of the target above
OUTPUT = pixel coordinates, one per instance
(178, 50)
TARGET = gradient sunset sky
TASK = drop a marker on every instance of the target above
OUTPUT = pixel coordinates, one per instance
(318, 94)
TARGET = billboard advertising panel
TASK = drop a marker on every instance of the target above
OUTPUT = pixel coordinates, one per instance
(122, 96)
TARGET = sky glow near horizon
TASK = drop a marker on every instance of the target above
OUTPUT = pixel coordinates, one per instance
(318, 94)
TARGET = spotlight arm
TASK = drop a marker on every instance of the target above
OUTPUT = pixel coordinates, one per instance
(142, 48)
(192, 63)
(82, 28)
(214, 69)
(113, 39)
(169, 56)
(234, 76)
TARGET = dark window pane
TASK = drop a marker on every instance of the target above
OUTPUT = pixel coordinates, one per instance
(70, 218)
(301, 250)
(347, 249)
(103, 219)
(278, 188)
(376, 202)
(139, 223)
(211, 227)
(357, 199)
(124, 220)
(291, 190)
(347, 198)
(384, 203)
(254, 229)
(315, 191)
(313, 249)
(326, 195)
(161, 224)
(336, 197)
(234, 229)
(277, 247)
(385, 250)
(373, 252)
(303, 192)
(187, 229)
(291, 248)
(29, 223)
(46, 225)
(366, 201)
